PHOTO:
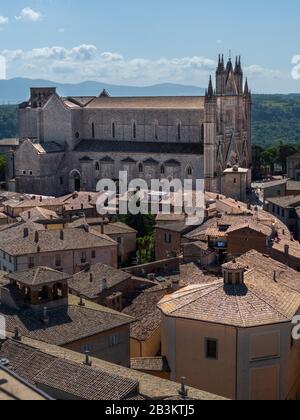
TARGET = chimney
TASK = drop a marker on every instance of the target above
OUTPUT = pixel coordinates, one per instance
(41, 199)
(103, 285)
(287, 250)
(87, 361)
(17, 335)
(81, 302)
(183, 392)
(62, 235)
(90, 198)
(36, 237)
(26, 232)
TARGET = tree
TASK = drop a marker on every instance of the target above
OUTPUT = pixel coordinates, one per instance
(2, 167)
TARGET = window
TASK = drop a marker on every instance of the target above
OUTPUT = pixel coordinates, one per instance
(141, 168)
(168, 238)
(162, 170)
(156, 130)
(31, 263)
(77, 135)
(179, 131)
(83, 257)
(114, 340)
(97, 166)
(234, 181)
(93, 254)
(61, 180)
(113, 130)
(30, 172)
(134, 130)
(211, 349)
(93, 130)
(189, 171)
(202, 132)
(58, 260)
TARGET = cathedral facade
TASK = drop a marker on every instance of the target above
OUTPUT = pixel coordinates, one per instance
(69, 143)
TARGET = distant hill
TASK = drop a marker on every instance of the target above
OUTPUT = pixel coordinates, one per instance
(276, 118)
(17, 90)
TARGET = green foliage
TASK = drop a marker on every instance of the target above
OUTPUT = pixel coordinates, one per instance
(143, 224)
(267, 161)
(2, 167)
(276, 119)
(8, 121)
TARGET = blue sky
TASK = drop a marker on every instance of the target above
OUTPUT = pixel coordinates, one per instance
(145, 42)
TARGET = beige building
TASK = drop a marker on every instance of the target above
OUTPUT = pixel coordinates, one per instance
(52, 369)
(236, 182)
(36, 304)
(239, 329)
(293, 166)
(27, 245)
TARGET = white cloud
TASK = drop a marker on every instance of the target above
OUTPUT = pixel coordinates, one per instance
(258, 71)
(29, 15)
(85, 62)
(3, 20)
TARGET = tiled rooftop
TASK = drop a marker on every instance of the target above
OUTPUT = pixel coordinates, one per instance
(13, 242)
(262, 300)
(89, 283)
(38, 276)
(66, 324)
(67, 377)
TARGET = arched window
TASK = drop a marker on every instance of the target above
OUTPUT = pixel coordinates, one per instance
(141, 168)
(93, 130)
(202, 132)
(156, 130)
(134, 130)
(179, 131)
(189, 171)
(113, 130)
(97, 166)
(162, 170)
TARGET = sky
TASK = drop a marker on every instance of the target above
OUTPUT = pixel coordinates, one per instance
(145, 42)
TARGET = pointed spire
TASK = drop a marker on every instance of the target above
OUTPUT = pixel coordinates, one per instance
(246, 90)
(210, 91)
(104, 94)
(229, 66)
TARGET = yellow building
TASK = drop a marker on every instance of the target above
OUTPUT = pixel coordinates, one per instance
(232, 336)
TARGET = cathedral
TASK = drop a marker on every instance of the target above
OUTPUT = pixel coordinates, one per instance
(67, 144)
